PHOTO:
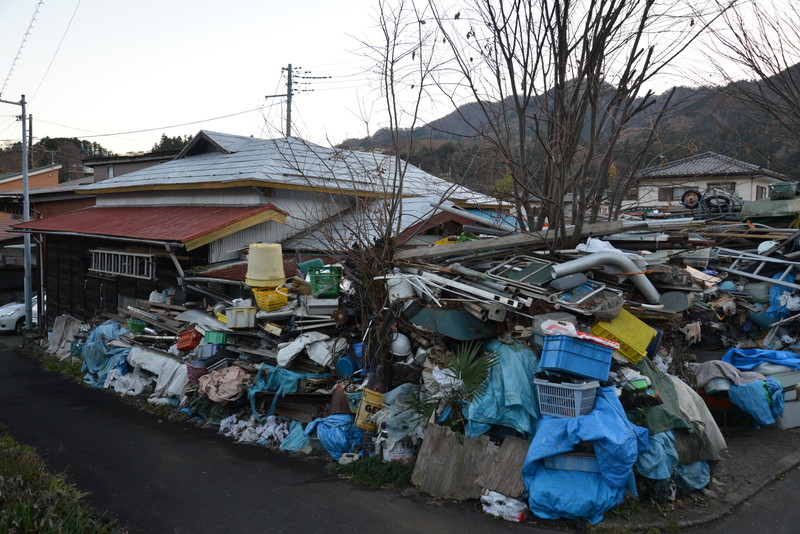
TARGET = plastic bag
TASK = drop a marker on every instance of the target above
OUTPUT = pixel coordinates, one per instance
(499, 505)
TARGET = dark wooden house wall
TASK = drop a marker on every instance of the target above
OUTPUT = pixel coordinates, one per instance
(73, 290)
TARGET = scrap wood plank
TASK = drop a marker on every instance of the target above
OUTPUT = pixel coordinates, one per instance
(146, 317)
(448, 466)
(511, 241)
(504, 473)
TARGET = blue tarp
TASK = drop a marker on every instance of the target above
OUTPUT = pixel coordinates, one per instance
(337, 433)
(99, 358)
(660, 459)
(776, 311)
(761, 399)
(271, 378)
(693, 476)
(579, 495)
(510, 399)
(296, 439)
(747, 359)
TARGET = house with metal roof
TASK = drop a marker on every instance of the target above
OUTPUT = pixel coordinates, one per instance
(222, 192)
(663, 186)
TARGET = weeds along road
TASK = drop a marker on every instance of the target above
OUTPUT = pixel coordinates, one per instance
(155, 475)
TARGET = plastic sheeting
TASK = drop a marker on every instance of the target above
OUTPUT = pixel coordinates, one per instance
(510, 399)
(777, 310)
(693, 476)
(99, 358)
(617, 443)
(337, 433)
(762, 399)
(224, 385)
(278, 380)
(399, 418)
(747, 359)
(296, 439)
(660, 459)
(710, 441)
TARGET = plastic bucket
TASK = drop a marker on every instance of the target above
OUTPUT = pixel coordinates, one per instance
(353, 400)
(265, 265)
(369, 405)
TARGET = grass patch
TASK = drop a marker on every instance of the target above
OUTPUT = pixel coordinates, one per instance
(33, 500)
(69, 367)
(628, 509)
(374, 473)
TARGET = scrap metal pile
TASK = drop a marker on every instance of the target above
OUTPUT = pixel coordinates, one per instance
(501, 368)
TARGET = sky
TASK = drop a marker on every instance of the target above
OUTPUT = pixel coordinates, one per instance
(91, 68)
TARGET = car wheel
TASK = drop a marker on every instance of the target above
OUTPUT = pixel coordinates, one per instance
(20, 326)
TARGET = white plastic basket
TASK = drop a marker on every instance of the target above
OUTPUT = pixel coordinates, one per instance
(565, 399)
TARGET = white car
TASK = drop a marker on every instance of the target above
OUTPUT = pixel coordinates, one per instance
(12, 315)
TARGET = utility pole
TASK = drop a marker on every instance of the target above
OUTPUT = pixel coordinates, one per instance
(26, 211)
(30, 141)
(288, 96)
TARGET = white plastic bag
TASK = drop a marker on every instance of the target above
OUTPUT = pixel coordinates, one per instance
(499, 505)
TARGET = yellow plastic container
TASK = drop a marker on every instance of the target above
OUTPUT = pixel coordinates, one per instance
(265, 265)
(368, 406)
(270, 299)
(632, 335)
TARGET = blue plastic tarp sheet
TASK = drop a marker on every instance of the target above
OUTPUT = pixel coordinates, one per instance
(510, 398)
(659, 461)
(274, 379)
(747, 359)
(337, 433)
(296, 439)
(694, 476)
(762, 399)
(579, 495)
(99, 358)
(776, 310)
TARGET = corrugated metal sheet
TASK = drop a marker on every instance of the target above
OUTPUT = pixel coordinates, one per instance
(289, 162)
(182, 224)
(706, 164)
(229, 196)
(362, 226)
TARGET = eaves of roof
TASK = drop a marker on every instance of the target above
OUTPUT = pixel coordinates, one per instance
(191, 226)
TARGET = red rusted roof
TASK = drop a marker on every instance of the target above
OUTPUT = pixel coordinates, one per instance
(185, 224)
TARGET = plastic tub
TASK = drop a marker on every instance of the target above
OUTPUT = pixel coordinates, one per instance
(325, 281)
(215, 337)
(241, 317)
(189, 339)
(576, 356)
(136, 325)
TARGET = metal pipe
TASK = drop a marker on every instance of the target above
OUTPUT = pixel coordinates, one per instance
(609, 258)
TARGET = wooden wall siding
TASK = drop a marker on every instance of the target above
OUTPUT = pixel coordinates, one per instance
(49, 209)
(73, 290)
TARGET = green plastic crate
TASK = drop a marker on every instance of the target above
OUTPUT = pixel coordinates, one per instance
(325, 281)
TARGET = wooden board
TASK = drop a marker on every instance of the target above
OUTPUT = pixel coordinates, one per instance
(520, 240)
(504, 474)
(447, 467)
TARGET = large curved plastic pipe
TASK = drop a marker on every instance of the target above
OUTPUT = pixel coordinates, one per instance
(609, 258)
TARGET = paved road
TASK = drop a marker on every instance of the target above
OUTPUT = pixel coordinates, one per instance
(160, 476)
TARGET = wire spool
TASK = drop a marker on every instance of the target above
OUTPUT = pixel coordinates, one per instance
(691, 199)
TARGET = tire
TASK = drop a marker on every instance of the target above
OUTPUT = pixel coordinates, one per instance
(20, 326)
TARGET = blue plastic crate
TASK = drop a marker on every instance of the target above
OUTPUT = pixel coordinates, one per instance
(576, 356)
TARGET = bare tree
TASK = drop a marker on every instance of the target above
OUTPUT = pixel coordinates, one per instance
(559, 83)
(760, 42)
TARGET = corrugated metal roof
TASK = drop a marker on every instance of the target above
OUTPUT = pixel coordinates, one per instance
(288, 162)
(185, 224)
(362, 226)
(706, 164)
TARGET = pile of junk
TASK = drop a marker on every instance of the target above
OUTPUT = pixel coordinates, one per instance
(556, 383)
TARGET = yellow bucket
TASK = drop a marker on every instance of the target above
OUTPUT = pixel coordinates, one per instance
(369, 405)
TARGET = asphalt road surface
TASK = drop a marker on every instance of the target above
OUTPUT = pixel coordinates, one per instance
(160, 476)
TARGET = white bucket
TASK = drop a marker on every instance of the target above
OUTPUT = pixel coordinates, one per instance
(399, 287)
(265, 265)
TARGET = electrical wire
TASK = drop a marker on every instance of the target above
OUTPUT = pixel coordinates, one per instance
(21, 46)
(152, 129)
(57, 49)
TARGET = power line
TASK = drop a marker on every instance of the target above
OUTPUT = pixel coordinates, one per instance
(151, 129)
(56, 52)
(21, 46)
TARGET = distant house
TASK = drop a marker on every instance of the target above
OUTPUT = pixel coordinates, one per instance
(37, 178)
(111, 166)
(663, 186)
(158, 227)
